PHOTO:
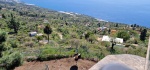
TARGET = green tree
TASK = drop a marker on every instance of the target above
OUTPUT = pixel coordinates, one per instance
(13, 24)
(92, 38)
(11, 59)
(3, 38)
(99, 24)
(123, 34)
(87, 35)
(0, 7)
(117, 25)
(4, 16)
(109, 31)
(48, 30)
(135, 25)
(143, 35)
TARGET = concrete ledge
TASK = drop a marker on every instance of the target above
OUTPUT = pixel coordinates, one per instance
(131, 62)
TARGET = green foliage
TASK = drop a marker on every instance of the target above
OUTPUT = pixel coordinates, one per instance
(3, 36)
(88, 34)
(117, 25)
(3, 16)
(133, 41)
(75, 43)
(47, 30)
(143, 35)
(105, 43)
(99, 24)
(123, 34)
(49, 53)
(92, 38)
(79, 35)
(39, 38)
(11, 60)
(55, 36)
(13, 24)
(14, 44)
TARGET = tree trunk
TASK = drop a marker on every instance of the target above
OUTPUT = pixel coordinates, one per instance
(48, 38)
(15, 30)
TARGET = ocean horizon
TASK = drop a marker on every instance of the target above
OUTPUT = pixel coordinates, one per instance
(128, 12)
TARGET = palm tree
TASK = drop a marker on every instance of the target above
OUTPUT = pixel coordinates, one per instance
(48, 30)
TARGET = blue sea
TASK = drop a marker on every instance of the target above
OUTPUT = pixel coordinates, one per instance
(121, 11)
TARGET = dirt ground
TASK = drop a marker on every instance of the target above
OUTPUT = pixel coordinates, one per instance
(61, 64)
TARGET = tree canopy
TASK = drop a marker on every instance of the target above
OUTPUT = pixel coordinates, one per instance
(13, 24)
(48, 30)
(123, 34)
(143, 35)
(2, 37)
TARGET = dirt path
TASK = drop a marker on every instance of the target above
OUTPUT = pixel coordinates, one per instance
(62, 64)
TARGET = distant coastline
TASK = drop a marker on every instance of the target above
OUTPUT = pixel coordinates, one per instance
(129, 13)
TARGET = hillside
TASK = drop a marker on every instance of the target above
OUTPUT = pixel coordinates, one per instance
(30, 33)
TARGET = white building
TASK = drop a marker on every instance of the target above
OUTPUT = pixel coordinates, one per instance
(32, 34)
(106, 38)
(119, 40)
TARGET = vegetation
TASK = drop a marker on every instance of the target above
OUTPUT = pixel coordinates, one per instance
(143, 35)
(69, 34)
(48, 30)
(13, 24)
(123, 34)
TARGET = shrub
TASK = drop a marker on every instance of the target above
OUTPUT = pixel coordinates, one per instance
(55, 36)
(3, 36)
(127, 45)
(14, 44)
(105, 43)
(10, 61)
(123, 34)
(39, 38)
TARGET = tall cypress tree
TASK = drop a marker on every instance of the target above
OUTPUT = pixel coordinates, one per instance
(48, 31)
(143, 35)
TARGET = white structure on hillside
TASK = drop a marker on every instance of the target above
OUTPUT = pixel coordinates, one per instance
(40, 34)
(32, 34)
(106, 38)
(119, 40)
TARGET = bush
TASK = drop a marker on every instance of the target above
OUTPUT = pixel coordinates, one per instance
(14, 44)
(105, 43)
(123, 34)
(127, 45)
(10, 61)
(55, 36)
(39, 38)
(3, 36)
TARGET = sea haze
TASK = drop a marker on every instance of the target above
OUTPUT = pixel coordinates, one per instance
(122, 11)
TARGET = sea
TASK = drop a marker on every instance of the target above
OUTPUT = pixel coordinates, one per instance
(120, 11)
